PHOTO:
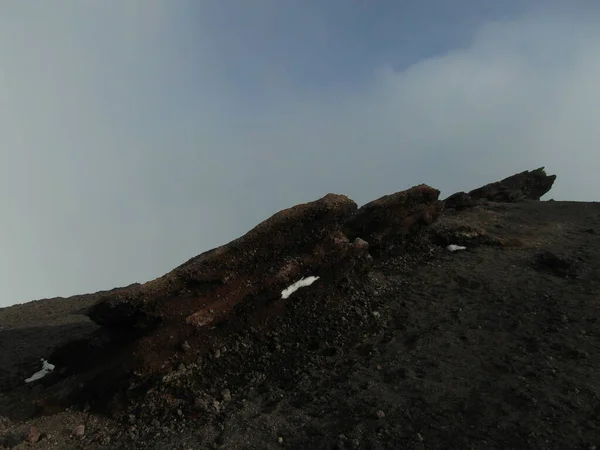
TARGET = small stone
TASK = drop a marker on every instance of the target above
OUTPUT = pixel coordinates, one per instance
(361, 244)
(379, 367)
(280, 440)
(155, 423)
(380, 414)
(179, 413)
(217, 353)
(376, 314)
(226, 394)
(32, 435)
(79, 431)
(185, 346)
(419, 437)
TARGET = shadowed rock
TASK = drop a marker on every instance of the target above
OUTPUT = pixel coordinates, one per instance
(325, 238)
(295, 242)
(528, 185)
(387, 222)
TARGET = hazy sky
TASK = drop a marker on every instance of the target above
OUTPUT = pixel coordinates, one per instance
(135, 134)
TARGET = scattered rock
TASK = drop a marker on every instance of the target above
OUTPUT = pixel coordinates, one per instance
(380, 414)
(185, 346)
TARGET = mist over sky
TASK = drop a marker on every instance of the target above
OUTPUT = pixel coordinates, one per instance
(135, 134)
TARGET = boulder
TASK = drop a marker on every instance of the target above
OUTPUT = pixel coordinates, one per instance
(459, 200)
(386, 223)
(305, 240)
(528, 185)
(295, 242)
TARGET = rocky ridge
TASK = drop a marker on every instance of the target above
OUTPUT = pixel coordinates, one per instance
(201, 344)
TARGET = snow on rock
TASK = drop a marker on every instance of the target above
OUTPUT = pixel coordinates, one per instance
(302, 282)
(45, 370)
(454, 248)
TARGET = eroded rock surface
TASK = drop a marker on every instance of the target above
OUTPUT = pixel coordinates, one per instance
(295, 242)
(387, 223)
(528, 185)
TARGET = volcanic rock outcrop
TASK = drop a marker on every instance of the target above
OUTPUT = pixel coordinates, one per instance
(528, 185)
(325, 238)
(387, 222)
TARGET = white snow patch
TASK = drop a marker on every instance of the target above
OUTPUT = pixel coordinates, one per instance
(45, 370)
(454, 248)
(302, 282)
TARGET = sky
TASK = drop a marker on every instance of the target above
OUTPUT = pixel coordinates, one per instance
(136, 134)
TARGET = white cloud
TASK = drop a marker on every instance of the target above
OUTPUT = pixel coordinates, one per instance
(125, 153)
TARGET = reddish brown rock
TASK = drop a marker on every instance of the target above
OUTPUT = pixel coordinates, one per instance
(325, 238)
(386, 223)
(528, 185)
(305, 240)
(294, 242)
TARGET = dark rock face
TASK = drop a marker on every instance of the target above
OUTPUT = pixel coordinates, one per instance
(389, 220)
(326, 238)
(528, 185)
(459, 200)
(296, 242)
(250, 272)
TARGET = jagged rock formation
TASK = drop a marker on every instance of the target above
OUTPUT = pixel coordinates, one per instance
(325, 238)
(298, 241)
(528, 185)
(388, 222)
